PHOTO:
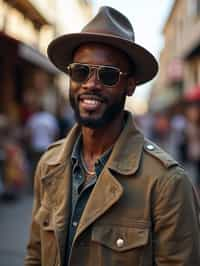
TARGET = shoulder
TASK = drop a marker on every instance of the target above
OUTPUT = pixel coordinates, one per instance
(157, 154)
(165, 170)
(56, 144)
(161, 166)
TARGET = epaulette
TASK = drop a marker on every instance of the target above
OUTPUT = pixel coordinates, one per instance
(159, 154)
(54, 144)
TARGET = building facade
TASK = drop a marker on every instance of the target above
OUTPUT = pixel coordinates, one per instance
(26, 73)
(180, 57)
(26, 28)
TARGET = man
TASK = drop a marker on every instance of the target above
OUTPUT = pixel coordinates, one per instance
(105, 196)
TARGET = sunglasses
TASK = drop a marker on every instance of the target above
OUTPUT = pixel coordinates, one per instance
(107, 75)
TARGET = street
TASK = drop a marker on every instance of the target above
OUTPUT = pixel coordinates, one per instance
(14, 227)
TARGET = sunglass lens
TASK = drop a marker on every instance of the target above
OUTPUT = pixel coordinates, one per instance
(78, 72)
(109, 76)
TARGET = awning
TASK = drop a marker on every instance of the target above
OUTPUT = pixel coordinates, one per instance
(28, 53)
(33, 56)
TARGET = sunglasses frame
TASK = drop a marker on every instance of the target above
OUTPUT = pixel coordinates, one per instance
(97, 68)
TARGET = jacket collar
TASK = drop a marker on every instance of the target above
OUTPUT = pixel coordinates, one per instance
(126, 154)
(127, 151)
(64, 151)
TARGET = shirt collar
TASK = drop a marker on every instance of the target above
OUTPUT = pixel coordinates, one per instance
(104, 157)
(75, 156)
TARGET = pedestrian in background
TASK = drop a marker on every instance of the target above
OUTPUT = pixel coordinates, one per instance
(14, 170)
(105, 195)
(41, 129)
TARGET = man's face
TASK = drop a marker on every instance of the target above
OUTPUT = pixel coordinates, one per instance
(94, 103)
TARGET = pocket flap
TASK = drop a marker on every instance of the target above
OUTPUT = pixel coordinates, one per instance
(120, 238)
(44, 218)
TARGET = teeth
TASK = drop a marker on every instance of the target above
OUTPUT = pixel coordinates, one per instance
(89, 101)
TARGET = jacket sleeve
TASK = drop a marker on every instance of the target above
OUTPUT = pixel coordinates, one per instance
(33, 256)
(176, 235)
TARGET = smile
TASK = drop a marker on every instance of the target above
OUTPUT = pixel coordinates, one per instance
(90, 103)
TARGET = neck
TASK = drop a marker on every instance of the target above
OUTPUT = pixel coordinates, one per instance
(97, 141)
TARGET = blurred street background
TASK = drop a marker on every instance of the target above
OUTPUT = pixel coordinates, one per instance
(34, 105)
(14, 226)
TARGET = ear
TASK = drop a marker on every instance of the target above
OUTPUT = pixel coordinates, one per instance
(131, 85)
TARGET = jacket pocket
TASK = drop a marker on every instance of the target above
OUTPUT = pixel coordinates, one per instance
(120, 238)
(120, 245)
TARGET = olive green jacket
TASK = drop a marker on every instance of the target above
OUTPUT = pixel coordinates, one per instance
(142, 211)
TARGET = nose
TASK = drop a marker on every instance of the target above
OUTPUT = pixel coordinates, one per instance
(92, 82)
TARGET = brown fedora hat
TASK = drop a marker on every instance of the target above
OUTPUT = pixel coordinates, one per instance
(110, 27)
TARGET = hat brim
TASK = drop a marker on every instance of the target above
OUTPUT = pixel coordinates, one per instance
(60, 52)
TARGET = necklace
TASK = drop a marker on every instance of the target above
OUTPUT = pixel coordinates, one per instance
(88, 172)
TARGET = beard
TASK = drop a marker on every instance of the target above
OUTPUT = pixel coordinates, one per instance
(110, 113)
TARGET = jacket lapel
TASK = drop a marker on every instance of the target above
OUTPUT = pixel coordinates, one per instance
(106, 193)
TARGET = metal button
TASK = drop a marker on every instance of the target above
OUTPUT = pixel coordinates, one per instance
(150, 147)
(74, 223)
(120, 242)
